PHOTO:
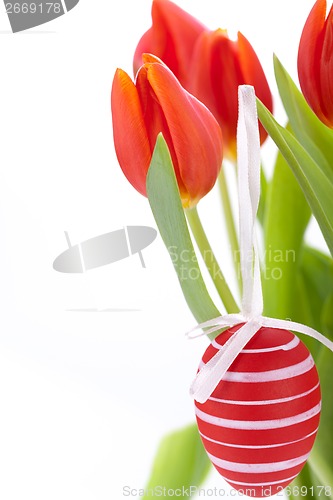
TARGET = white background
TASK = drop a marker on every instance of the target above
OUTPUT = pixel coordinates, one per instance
(86, 397)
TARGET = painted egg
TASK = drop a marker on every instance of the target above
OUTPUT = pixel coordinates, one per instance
(260, 423)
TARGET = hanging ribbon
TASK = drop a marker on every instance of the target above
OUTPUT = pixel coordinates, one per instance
(248, 155)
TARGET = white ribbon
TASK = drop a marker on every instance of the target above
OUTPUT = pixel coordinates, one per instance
(248, 154)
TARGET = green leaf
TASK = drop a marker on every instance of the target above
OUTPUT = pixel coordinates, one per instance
(314, 136)
(211, 261)
(317, 487)
(165, 202)
(317, 268)
(181, 462)
(314, 289)
(316, 275)
(304, 286)
(321, 458)
(286, 218)
(304, 486)
(307, 486)
(306, 314)
(327, 317)
(316, 186)
(263, 196)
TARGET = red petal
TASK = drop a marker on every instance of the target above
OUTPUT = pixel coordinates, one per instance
(174, 33)
(227, 76)
(129, 131)
(144, 45)
(151, 58)
(216, 73)
(309, 55)
(153, 114)
(254, 75)
(195, 134)
(326, 70)
(201, 76)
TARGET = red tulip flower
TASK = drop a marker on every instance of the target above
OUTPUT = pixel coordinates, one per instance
(156, 103)
(315, 62)
(171, 38)
(219, 66)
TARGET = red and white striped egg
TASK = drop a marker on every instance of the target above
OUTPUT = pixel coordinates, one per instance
(260, 423)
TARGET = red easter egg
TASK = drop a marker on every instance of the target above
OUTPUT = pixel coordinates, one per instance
(260, 423)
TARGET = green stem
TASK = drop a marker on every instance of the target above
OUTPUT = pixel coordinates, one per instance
(230, 225)
(210, 261)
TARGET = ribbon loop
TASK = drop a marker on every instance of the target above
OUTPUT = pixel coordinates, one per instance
(248, 161)
(211, 373)
(248, 155)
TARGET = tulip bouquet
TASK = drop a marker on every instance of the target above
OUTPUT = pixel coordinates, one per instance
(173, 126)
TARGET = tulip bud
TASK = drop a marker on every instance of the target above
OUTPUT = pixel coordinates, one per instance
(156, 103)
(171, 38)
(219, 66)
(315, 62)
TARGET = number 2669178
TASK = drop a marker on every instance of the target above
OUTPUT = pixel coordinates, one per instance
(33, 8)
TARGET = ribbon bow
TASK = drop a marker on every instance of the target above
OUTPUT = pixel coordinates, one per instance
(248, 154)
